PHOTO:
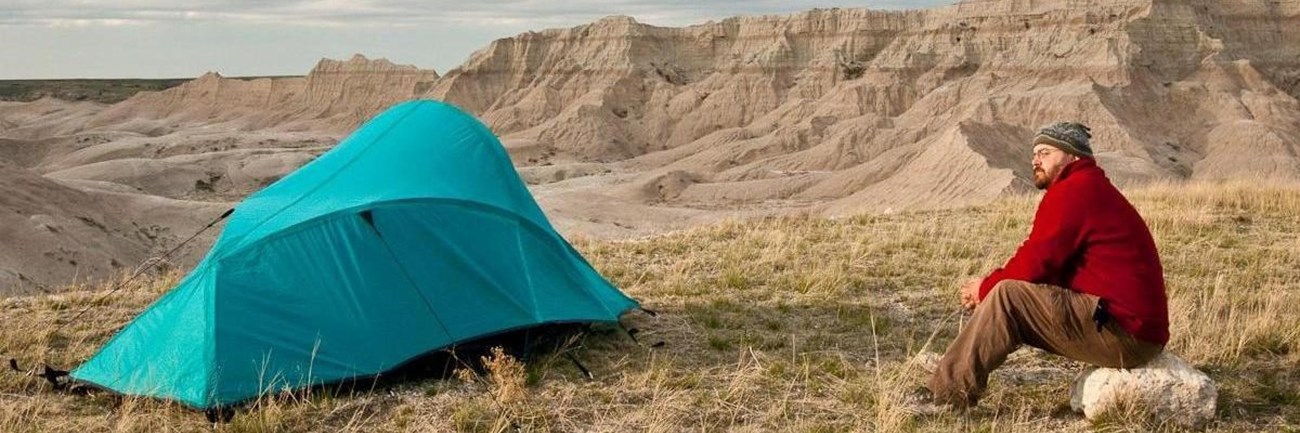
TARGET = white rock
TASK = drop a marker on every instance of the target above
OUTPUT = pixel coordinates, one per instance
(1167, 387)
(928, 361)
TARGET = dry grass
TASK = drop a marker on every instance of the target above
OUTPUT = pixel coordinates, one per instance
(792, 324)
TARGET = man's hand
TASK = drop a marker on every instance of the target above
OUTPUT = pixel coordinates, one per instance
(970, 294)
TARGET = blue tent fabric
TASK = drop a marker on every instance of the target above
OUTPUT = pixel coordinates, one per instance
(413, 234)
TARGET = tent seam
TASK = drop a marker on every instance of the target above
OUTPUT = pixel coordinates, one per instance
(343, 168)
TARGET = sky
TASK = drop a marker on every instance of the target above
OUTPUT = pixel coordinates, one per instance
(45, 39)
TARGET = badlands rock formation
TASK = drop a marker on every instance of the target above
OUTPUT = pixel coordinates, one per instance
(623, 128)
(92, 190)
(55, 233)
(334, 97)
(868, 110)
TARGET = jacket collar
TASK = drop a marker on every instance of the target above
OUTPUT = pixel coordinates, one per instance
(1082, 164)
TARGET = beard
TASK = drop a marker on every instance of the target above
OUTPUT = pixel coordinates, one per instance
(1041, 179)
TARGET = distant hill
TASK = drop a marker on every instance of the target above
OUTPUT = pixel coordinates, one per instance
(104, 91)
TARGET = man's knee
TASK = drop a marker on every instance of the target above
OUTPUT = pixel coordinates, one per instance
(1010, 289)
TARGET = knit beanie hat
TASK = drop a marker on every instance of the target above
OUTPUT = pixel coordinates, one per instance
(1070, 137)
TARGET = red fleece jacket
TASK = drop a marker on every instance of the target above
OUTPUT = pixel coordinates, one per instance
(1087, 237)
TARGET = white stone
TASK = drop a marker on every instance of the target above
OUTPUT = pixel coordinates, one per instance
(928, 361)
(1167, 386)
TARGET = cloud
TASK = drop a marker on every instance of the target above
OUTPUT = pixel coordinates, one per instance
(532, 13)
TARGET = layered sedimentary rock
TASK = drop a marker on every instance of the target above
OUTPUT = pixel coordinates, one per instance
(335, 96)
(871, 110)
(55, 233)
(834, 104)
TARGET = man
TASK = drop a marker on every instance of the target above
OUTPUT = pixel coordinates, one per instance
(1087, 284)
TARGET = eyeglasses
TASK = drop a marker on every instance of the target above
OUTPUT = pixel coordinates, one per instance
(1044, 152)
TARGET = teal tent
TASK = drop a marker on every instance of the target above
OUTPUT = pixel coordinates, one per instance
(413, 234)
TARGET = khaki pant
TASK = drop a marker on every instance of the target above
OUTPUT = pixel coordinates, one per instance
(1048, 317)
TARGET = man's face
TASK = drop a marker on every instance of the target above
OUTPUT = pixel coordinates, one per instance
(1048, 162)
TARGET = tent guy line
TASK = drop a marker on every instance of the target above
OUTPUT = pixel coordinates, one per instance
(52, 374)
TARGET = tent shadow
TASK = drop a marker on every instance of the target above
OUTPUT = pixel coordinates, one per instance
(529, 345)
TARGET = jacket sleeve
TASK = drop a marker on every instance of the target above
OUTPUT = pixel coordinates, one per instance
(1056, 236)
